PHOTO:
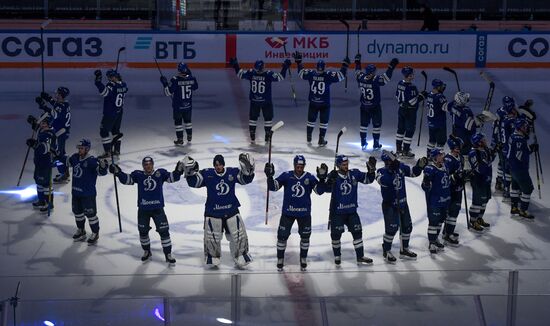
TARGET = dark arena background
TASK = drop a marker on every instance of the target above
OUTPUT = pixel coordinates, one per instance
(496, 276)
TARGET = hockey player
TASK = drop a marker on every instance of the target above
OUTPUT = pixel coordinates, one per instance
(369, 87)
(395, 208)
(260, 93)
(298, 186)
(436, 184)
(44, 146)
(408, 99)
(113, 93)
(508, 104)
(151, 202)
(506, 129)
(454, 161)
(86, 168)
(464, 123)
(343, 184)
(436, 105)
(60, 112)
(518, 157)
(222, 206)
(481, 159)
(319, 81)
(180, 89)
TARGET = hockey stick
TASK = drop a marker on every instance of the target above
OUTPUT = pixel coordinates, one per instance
(340, 133)
(292, 89)
(537, 154)
(490, 93)
(347, 51)
(157, 64)
(44, 115)
(423, 73)
(118, 56)
(13, 302)
(113, 142)
(454, 74)
(358, 46)
(275, 127)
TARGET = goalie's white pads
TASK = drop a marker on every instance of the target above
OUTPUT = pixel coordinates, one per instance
(487, 116)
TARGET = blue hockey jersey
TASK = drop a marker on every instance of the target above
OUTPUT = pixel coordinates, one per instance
(297, 192)
(113, 96)
(406, 95)
(181, 88)
(436, 108)
(518, 152)
(46, 144)
(344, 191)
(454, 164)
(464, 125)
(392, 183)
(260, 84)
(85, 172)
(61, 115)
(481, 161)
(319, 84)
(437, 184)
(150, 193)
(370, 88)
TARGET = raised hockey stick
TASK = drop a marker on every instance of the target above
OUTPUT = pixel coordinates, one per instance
(455, 75)
(340, 133)
(358, 35)
(118, 56)
(423, 73)
(292, 89)
(113, 142)
(347, 51)
(275, 127)
(489, 99)
(157, 64)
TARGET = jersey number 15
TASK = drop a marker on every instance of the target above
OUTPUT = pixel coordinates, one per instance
(185, 92)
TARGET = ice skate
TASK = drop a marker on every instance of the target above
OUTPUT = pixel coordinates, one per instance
(146, 256)
(178, 142)
(92, 240)
(170, 259)
(303, 264)
(389, 257)
(80, 235)
(280, 264)
(407, 254)
(364, 260)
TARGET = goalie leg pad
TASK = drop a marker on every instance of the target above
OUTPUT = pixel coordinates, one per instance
(238, 239)
(212, 240)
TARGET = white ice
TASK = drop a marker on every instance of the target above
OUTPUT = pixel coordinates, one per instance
(39, 251)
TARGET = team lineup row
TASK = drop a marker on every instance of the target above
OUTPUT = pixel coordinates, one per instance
(511, 127)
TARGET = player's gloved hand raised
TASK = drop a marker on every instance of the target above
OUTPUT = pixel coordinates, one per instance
(164, 81)
(287, 63)
(269, 170)
(114, 169)
(423, 95)
(179, 168)
(358, 58)
(45, 95)
(346, 62)
(422, 162)
(190, 166)
(233, 62)
(103, 164)
(97, 75)
(297, 57)
(31, 119)
(247, 163)
(39, 100)
(393, 63)
(371, 164)
(534, 147)
(31, 142)
(322, 172)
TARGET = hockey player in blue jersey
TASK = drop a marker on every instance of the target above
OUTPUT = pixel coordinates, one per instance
(319, 81)
(464, 122)
(518, 158)
(481, 160)
(60, 113)
(436, 105)
(343, 184)
(260, 93)
(369, 86)
(437, 186)
(180, 89)
(508, 104)
(113, 94)
(86, 168)
(221, 210)
(506, 129)
(150, 202)
(298, 186)
(391, 178)
(44, 146)
(454, 161)
(408, 97)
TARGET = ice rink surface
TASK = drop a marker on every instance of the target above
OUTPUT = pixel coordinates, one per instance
(39, 251)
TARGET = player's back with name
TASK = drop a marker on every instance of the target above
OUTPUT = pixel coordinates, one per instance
(406, 94)
(181, 88)
(114, 99)
(85, 172)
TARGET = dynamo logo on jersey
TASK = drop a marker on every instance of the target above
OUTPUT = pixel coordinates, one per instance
(222, 188)
(298, 190)
(77, 171)
(345, 188)
(150, 184)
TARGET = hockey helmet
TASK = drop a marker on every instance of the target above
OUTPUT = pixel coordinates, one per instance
(111, 73)
(218, 159)
(341, 159)
(299, 160)
(182, 67)
(321, 65)
(147, 159)
(477, 138)
(434, 152)
(63, 91)
(462, 98)
(388, 156)
(508, 103)
(521, 123)
(436, 83)
(370, 69)
(259, 65)
(407, 71)
(454, 143)
(84, 142)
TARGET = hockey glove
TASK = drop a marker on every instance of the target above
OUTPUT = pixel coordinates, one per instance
(393, 63)
(287, 63)
(346, 62)
(529, 114)
(422, 162)
(269, 170)
(458, 178)
(371, 164)
(358, 58)
(31, 120)
(247, 164)
(322, 172)
(190, 166)
(31, 142)
(164, 81)
(39, 101)
(422, 95)
(45, 96)
(331, 178)
(97, 74)
(534, 147)
(178, 169)
(103, 164)
(426, 184)
(297, 57)
(114, 169)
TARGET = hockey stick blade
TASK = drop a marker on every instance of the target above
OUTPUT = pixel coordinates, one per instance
(342, 131)
(345, 23)
(121, 49)
(486, 77)
(448, 69)
(277, 126)
(45, 23)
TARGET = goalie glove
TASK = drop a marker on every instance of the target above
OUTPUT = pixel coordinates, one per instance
(190, 166)
(247, 164)
(422, 162)
(179, 168)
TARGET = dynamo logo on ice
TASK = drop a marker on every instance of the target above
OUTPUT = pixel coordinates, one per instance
(143, 42)
(538, 47)
(274, 42)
